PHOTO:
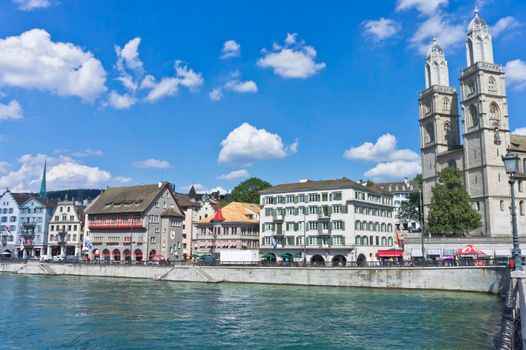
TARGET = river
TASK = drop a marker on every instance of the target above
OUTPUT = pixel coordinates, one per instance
(59, 312)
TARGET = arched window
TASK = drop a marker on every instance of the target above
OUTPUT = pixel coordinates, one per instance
(492, 85)
(358, 240)
(357, 225)
(494, 114)
(390, 241)
(452, 164)
(384, 241)
(429, 133)
(501, 205)
(445, 104)
(389, 228)
(447, 132)
(365, 240)
(473, 116)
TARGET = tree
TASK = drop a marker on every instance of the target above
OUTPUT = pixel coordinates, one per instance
(451, 213)
(418, 179)
(410, 210)
(248, 191)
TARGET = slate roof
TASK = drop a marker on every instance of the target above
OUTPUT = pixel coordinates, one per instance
(237, 212)
(311, 185)
(390, 187)
(518, 142)
(20, 198)
(172, 213)
(185, 201)
(129, 199)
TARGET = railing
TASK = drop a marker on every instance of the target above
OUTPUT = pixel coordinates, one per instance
(513, 330)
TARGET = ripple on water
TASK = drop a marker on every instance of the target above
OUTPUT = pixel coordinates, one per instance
(92, 313)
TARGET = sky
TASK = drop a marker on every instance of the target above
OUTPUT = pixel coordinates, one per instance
(209, 93)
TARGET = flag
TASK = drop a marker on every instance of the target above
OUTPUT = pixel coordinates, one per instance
(274, 243)
(87, 245)
(399, 241)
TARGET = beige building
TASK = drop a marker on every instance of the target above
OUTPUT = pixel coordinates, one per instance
(238, 229)
(485, 131)
(190, 208)
(66, 230)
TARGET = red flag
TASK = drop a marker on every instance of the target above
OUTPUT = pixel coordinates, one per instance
(398, 240)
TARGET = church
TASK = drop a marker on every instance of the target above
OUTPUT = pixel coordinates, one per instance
(474, 138)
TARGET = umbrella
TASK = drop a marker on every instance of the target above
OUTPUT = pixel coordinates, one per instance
(470, 249)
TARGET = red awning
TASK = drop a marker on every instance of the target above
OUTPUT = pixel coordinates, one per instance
(127, 254)
(117, 254)
(106, 254)
(470, 249)
(138, 255)
(390, 253)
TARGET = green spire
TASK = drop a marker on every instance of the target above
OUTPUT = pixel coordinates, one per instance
(43, 191)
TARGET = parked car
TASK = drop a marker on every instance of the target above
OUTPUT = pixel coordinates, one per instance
(46, 258)
(58, 258)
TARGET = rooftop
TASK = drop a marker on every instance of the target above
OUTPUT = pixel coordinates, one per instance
(310, 185)
(237, 212)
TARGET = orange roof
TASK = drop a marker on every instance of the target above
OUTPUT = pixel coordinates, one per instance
(237, 212)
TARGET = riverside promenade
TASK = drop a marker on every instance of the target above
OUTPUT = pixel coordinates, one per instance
(457, 278)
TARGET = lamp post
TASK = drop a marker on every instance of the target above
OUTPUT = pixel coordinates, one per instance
(511, 163)
(421, 212)
(62, 234)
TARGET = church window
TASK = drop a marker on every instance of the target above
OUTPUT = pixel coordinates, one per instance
(473, 116)
(521, 207)
(491, 85)
(447, 132)
(478, 205)
(429, 133)
(519, 185)
(501, 205)
(476, 179)
(452, 164)
(471, 88)
(445, 104)
(494, 114)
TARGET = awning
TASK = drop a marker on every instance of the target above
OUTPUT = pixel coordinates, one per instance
(416, 253)
(469, 249)
(433, 251)
(285, 256)
(488, 251)
(116, 254)
(268, 256)
(139, 255)
(449, 251)
(448, 257)
(127, 255)
(502, 253)
(390, 253)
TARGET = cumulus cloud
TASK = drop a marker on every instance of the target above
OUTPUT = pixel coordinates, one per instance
(184, 76)
(516, 73)
(448, 35)
(216, 94)
(4, 167)
(383, 150)
(152, 164)
(503, 24)
(381, 29)
(199, 188)
(425, 7)
(30, 5)
(33, 61)
(11, 111)
(63, 173)
(394, 170)
(234, 175)
(230, 49)
(118, 101)
(294, 59)
(519, 131)
(241, 86)
(88, 152)
(122, 179)
(247, 144)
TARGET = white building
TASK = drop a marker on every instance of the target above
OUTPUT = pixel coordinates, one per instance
(401, 192)
(10, 223)
(67, 222)
(35, 215)
(485, 128)
(332, 220)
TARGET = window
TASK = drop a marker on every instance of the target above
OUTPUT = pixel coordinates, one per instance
(501, 205)
(473, 117)
(337, 196)
(337, 225)
(521, 207)
(492, 85)
(447, 132)
(336, 208)
(445, 104)
(314, 197)
(337, 240)
(494, 117)
(313, 225)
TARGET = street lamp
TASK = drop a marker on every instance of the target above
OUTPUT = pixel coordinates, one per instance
(511, 163)
(421, 212)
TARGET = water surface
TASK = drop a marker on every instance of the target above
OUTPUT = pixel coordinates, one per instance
(65, 312)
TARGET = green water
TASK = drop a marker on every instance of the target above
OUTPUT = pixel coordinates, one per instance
(42, 312)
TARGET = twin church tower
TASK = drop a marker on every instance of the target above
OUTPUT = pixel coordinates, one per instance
(485, 130)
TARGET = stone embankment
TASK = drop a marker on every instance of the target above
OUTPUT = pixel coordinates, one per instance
(472, 279)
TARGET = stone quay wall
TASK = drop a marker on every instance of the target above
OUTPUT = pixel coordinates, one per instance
(470, 279)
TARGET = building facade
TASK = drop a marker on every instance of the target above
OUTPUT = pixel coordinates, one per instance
(326, 221)
(66, 230)
(238, 228)
(401, 192)
(190, 208)
(35, 216)
(10, 223)
(485, 131)
(135, 223)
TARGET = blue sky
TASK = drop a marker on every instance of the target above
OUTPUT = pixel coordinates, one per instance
(210, 92)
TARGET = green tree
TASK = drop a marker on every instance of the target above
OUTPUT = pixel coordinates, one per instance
(248, 191)
(451, 213)
(410, 209)
(418, 180)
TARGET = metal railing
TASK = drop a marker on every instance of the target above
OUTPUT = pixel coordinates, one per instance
(513, 330)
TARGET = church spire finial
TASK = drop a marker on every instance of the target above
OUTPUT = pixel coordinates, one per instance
(43, 189)
(476, 11)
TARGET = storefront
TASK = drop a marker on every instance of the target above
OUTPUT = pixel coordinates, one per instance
(390, 257)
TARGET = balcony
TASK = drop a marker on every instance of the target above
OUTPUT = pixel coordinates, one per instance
(114, 226)
(278, 217)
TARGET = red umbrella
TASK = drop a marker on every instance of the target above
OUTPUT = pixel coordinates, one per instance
(127, 255)
(470, 249)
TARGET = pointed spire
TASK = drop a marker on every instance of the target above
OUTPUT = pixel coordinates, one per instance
(219, 215)
(476, 11)
(43, 189)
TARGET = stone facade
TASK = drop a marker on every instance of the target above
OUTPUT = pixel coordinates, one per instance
(485, 132)
(331, 220)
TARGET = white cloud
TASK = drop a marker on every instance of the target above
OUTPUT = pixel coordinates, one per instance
(246, 144)
(10, 111)
(293, 60)
(395, 170)
(30, 5)
(4, 167)
(425, 7)
(88, 152)
(118, 101)
(383, 150)
(216, 94)
(230, 49)
(129, 55)
(199, 188)
(170, 86)
(293, 148)
(516, 73)
(502, 25)
(63, 173)
(448, 35)
(519, 131)
(241, 86)
(234, 175)
(152, 164)
(122, 179)
(381, 29)
(33, 61)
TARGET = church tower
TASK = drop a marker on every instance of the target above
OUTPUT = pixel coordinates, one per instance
(43, 185)
(439, 120)
(485, 131)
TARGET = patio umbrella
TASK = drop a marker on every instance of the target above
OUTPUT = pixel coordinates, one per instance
(469, 249)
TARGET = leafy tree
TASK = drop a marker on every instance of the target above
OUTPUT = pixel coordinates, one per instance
(248, 191)
(451, 213)
(418, 179)
(410, 209)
